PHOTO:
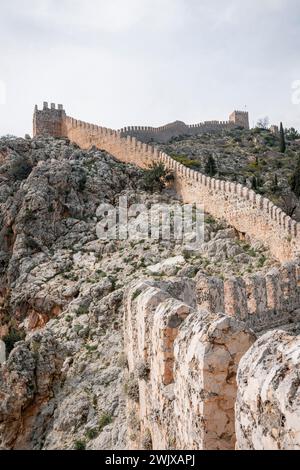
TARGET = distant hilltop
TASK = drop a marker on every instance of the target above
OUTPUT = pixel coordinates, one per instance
(177, 128)
(52, 121)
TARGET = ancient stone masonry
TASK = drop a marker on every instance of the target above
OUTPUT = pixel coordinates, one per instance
(182, 365)
(177, 128)
(261, 301)
(249, 213)
(49, 121)
(187, 340)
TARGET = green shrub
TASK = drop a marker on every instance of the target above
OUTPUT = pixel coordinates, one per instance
(156, 177)
(79, 445)
(295, 179)
(105, 420)
(186, 161)
(11, 338)
(136, 294)
(131, 388)
(92, 434)
(19, 169)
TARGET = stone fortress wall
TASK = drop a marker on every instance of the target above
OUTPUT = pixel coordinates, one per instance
(184, 343)
(249, 213)
(177, 128)
(202, 379)
(262, 301)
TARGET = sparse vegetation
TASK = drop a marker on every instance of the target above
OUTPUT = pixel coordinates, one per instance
(12, 338)
(143, 371)
(210, 166)
(131, 388)
(186, 161)
(295, 179)
(147, 440)
(80, 445)
(104, 420)
(156, 177)
(19, 169)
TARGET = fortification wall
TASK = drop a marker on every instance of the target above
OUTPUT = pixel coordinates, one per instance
(261, 301)
(183, 360)
(165, 133)
(49, 120)
(248, 212)
(183, 353)
(182, 365)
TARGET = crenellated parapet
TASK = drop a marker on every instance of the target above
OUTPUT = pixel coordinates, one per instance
(183, 354)
(261, 301)
(240, 118)
(182, 363)
(49, 121)
(178, 128)
(248, 212)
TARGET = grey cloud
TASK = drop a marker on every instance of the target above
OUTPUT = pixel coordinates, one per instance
(149, 61)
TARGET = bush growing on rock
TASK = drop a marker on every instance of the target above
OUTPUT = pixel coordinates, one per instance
(105, 420)
(12, 338)
(79, 445)
(19, 169)
(156, 177)
(143, 371)
(131, 388)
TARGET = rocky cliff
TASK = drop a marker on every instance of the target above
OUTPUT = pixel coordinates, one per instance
(64, 383)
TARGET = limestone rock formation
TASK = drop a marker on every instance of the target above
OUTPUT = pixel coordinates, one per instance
(67, 380)
(268, 400)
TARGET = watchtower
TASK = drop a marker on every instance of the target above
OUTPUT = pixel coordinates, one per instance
(49, 121)
(240, 118)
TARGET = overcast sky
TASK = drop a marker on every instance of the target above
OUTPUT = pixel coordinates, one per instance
(149, 62)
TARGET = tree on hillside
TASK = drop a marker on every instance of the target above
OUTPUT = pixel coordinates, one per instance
(156, 177)
(292, 134)
(263, 123)
(274, 187)
(295, 179)
(210, 166)
(282, 139)
(254, 183)
(288, 203)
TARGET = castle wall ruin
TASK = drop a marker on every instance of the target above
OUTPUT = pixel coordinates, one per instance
(179, 128)
(183, 354)
(182, 364)
(248, 212)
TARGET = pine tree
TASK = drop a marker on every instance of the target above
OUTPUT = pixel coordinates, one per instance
(295, 179)
(274, 187)
(254, 183)
(282, 139)
(210, 166)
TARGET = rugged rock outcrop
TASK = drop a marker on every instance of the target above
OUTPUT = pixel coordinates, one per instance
(268, 401)
(65, 381)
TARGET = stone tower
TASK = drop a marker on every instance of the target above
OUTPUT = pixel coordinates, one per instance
(49, 121)
(240, 118)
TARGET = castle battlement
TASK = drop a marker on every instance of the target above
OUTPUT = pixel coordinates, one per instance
(186, 348)
(49, 121)
(177, 128)
(248, 212)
